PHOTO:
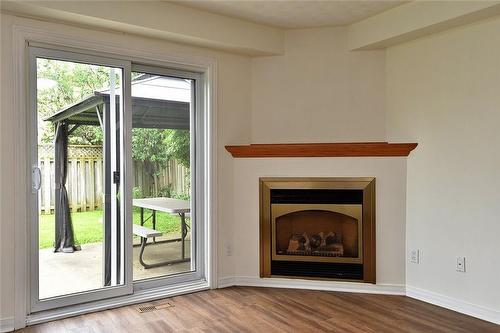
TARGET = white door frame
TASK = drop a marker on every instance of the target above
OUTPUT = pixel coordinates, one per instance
(198, 166)
(24, 34)
(125, 181)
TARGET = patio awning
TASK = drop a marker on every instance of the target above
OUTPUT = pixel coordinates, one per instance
(157, 102)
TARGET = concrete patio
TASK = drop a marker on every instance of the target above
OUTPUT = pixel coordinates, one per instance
(67, 273)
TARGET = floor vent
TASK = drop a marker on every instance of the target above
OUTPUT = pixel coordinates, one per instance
(151, 308)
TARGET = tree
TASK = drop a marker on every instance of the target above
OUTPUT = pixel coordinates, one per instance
(147, 147)
(72, 82)
(178, 146)
(155, 147)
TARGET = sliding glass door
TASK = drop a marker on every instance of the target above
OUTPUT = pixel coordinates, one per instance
(164, 140)
(79, 237)
(119, 169)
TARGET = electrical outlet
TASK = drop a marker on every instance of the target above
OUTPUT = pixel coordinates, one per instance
(415, 256)
(228, 249)
(460, 264)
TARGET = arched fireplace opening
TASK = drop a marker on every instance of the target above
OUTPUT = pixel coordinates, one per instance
(317, 233)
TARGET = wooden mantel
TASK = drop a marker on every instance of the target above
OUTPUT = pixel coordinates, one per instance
(344, 149)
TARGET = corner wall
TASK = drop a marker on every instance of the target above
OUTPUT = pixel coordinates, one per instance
(318, 91)
(443, 91)
(390, 174)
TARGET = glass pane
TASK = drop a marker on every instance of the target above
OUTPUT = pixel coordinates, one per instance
(161, 152)
(79, 227)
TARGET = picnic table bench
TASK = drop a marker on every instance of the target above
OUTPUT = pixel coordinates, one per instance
(167, 205)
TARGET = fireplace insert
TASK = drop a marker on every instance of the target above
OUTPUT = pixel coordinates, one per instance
(318, 228)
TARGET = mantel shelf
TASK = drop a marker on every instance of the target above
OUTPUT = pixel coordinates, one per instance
(343, 149)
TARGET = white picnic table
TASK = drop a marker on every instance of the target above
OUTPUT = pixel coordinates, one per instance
(166, 205)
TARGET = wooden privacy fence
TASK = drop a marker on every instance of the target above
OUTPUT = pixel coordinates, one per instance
(85, 178)
(174, 176)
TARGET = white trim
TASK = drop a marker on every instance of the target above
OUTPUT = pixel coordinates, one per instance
(44, 38)
(454, 304)
(51, 35)
(6, 324)
(138, 297)
(211, 142)
(440, 300)
(353, 287)
(211, 139)
(226, 282)
(21, 241)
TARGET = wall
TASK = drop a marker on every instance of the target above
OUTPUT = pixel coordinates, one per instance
(440, 91)
(318, 91)
(159, 19)
(415, 19)
(233, 117)
(443, 92)
(390, 176)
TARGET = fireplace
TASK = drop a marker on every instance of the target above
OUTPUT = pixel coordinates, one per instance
(320, 228)
(327, 233)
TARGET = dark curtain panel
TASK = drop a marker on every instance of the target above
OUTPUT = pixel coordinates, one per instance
(64, 236)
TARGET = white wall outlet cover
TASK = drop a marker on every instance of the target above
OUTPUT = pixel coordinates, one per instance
(415, 256)
(228, 249)
(460, 264)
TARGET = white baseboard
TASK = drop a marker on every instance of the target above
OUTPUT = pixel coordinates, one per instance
(226, 282)
(6, 324)
(454, 304)
(387, 289)
(354, 287)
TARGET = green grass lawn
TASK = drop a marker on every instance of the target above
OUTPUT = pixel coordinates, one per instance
(88, 227)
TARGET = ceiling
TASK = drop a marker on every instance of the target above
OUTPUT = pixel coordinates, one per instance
(294, 14)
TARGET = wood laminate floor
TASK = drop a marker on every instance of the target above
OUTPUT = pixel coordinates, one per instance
(248, 309)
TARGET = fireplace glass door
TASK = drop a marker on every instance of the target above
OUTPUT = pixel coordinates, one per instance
(317, 232)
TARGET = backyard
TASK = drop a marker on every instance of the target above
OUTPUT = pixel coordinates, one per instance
(88, 226)
(75, 156)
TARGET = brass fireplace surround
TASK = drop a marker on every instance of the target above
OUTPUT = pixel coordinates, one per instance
(366, 184)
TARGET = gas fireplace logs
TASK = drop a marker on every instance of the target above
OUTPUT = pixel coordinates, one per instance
(329, 245)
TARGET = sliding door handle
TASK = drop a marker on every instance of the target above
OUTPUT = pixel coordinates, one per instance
(36, 178)
(116, 177)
